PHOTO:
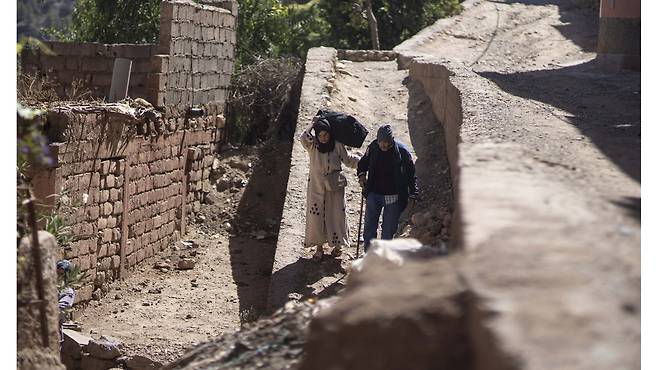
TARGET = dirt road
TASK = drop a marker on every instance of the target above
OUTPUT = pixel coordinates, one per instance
(160, 312)
(540, 91)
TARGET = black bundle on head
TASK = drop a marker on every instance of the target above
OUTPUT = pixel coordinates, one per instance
(323, 125)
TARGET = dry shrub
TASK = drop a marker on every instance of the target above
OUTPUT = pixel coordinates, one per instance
(263, 99)
(33, 88)
(36, 88)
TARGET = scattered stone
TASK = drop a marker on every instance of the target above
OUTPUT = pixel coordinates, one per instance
(223, 183)
(74, 343)
(146, 303)
(351, 98)
(105, 348)
(216, 163)
(261, 234)
(155, 291)
(117, 297)
(186, 264)
(188, 316)
(237, 164)
(141, 363)
(89, 362)
(162, 265)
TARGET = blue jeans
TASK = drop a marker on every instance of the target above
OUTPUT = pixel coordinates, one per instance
(374, 205)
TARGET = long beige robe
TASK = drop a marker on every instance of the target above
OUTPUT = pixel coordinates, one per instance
(325, 210)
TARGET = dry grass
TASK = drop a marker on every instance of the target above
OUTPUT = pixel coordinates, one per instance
(34, 89)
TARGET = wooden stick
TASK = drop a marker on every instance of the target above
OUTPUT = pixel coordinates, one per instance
(36, 256)
(358, 236)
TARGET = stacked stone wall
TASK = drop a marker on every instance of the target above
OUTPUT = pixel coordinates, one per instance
(196, 57)
(136, 181)
(190, 65)
(132, 193)
(76, 66)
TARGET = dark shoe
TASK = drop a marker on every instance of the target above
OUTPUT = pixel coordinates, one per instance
(317, 256)
(337, 252)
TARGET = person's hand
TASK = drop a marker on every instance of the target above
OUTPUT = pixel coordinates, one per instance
(362, 181)
(414, 198)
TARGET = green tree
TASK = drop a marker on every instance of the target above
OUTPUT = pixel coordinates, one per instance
(113, 21)
(262, 29)
(397, 20)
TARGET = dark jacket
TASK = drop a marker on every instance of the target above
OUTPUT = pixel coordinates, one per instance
(405, 171)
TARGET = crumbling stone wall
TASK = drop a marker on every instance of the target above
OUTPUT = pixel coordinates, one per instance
(135, 191)
(190, 65)
(138, 173)
(89, 65)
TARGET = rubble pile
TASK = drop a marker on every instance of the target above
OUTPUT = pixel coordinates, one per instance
(83, 352)
(431, 227)
(275, 342)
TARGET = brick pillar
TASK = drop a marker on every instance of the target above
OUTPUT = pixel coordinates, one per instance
(619, 34)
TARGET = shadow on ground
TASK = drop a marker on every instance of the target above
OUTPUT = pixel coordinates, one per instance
(313, 272)
(259, 212)
(604, 107)
(580, 21)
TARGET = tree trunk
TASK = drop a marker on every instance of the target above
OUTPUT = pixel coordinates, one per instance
(372, 21)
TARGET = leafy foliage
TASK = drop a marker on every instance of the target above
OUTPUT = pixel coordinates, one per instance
(397, 20)
(112, 22)
(33, 16)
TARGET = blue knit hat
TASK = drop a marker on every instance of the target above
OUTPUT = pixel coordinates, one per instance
(385, 132)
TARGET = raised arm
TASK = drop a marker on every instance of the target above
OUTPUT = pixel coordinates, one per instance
(306, 137)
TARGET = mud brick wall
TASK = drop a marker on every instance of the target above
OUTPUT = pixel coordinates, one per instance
(136, 188)
(89, 65)
(190, 65)
(197, 50)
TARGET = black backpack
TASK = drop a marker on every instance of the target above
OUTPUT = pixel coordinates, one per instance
(345, 128)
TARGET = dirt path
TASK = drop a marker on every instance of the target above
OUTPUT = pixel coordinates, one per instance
(550, 181)
(158, 313)
(544, 94)
(378, 93)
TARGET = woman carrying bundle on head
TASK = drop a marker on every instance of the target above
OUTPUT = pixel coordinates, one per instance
(325, 195)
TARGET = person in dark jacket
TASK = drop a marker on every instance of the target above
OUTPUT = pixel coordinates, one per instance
(390, 182)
